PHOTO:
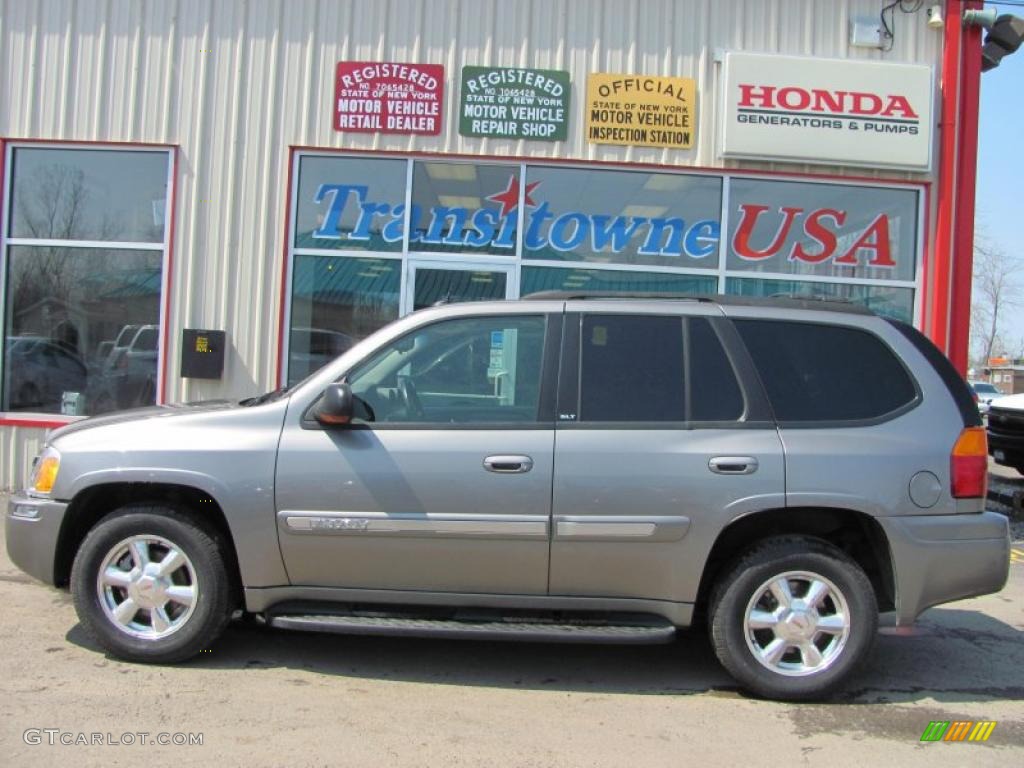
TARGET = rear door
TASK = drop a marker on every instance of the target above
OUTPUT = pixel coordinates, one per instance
(660, 441)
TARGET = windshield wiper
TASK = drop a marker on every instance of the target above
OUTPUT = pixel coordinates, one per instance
(266, 397)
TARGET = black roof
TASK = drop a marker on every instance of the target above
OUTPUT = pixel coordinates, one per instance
(781, 302)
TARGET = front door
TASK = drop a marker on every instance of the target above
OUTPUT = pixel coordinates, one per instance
(444, 483)
(431, 282)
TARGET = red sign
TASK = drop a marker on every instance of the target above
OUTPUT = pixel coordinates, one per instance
(820, 226)
(385, 97)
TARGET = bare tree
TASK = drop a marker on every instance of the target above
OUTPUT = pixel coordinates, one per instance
(997, 290)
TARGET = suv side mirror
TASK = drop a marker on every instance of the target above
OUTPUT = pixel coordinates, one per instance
(336, 406)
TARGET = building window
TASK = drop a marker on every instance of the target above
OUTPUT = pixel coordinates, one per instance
(378, 236)
(336, 301)
(823, 230)
(84, 248)
(623, 217)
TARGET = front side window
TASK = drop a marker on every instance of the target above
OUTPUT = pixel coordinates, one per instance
(83, 256)
(477, 370)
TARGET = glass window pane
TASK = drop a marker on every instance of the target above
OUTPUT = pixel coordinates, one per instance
(897, 303)
(467, 371)
(454, 285)
(82, 329)
(464, 208)
(337, 301)
(536, 279)
(825, 373)
(350, 203)
(714, 391)
(822, 229)
(623, 217)
(89, 194)
(631, 368)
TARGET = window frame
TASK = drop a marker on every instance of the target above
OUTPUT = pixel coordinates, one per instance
(166, 247)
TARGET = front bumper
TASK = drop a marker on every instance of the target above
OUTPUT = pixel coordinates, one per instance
(941, 558)
(1009, 448)
(32, 541)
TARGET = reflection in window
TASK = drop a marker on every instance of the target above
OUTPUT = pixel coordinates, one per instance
(536, 279)
(81, 329)
(86, 194)
(464, 208)
(450, 286)
(467, 371)
(337, 301)
(350, 203)
(623, 217)
(897, 303)
(822, 229)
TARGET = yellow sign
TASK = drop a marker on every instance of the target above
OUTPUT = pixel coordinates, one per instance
(643, 110)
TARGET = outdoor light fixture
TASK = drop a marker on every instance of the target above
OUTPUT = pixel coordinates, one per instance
(935, 20)
(1004, 37)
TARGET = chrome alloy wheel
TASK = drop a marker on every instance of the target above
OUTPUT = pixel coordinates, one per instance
(147, 587)
(797, 624)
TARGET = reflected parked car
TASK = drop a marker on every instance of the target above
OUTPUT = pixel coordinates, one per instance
(984, 394)
(128, 376)
(38, 372)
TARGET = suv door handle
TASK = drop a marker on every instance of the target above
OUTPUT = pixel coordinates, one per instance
(508, 465)
(733, 465)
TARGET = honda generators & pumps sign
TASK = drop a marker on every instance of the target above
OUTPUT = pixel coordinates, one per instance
(827, 111)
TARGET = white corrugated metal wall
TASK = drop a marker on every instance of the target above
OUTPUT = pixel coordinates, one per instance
(234, 83)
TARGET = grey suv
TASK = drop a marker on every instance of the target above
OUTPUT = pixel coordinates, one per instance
(568, 467)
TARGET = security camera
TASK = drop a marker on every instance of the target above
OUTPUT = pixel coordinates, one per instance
(935, 20)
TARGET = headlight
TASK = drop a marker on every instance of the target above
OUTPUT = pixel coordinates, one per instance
(44, 473)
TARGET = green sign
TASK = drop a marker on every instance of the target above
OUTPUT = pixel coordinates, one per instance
(512, 103)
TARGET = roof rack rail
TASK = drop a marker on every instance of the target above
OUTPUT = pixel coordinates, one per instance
(784, 301)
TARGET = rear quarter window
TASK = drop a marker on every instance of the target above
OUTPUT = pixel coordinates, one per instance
(826, 373)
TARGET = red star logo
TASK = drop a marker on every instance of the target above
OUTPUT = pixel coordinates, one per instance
(509, 199)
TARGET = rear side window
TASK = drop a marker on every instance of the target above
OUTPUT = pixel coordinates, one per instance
(650, 368)
(822, 373)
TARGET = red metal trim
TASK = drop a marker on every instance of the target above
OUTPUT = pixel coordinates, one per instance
(281, 319)
(926, 263)
(939, 293)
(10, 421)
(701, 170)
(967, 173)
(170, 221)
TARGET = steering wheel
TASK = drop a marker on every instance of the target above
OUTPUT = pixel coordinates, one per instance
(410, 399)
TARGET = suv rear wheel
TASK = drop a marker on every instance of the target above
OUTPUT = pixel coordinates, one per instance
(151, 585)
(793, 617)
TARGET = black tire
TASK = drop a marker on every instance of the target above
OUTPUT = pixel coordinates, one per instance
(206, 574)
(741, 586)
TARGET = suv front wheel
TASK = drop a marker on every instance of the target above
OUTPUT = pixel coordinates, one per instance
(793, 617)
(150, 584)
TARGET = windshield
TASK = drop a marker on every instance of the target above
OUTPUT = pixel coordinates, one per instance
(985, 389)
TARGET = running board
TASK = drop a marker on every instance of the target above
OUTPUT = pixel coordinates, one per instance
(646, 632)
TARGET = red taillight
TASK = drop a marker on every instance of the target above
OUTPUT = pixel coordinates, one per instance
(968, 464)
